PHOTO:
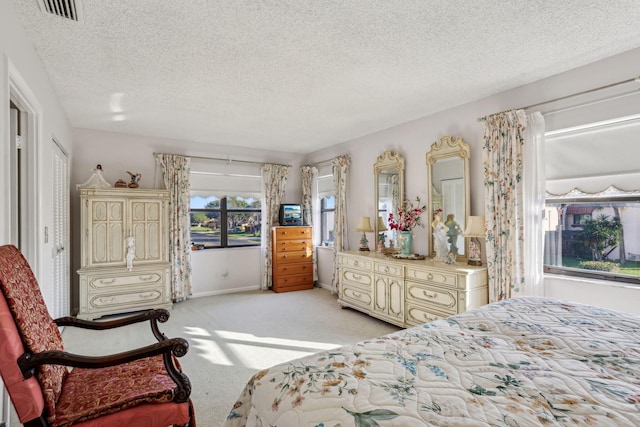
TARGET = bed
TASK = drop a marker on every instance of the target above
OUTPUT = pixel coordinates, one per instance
(519, 362)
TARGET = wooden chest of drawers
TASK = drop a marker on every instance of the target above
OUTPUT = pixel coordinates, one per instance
(292, 258)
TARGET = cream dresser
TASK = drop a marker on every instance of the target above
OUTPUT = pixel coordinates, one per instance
(108, 218)
(408, 292)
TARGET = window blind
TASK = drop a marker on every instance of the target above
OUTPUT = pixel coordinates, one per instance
(593, 157)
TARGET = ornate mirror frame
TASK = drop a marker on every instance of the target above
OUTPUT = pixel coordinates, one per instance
(448, 161)
(388, 177)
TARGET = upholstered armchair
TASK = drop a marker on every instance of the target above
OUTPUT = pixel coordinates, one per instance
(48, 386)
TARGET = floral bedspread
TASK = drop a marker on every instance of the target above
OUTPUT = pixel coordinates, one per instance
(519, 362)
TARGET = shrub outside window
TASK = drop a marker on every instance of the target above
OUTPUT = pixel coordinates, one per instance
(596, 238)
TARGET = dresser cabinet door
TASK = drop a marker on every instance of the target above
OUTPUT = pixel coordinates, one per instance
(146, 227)
(106, 232)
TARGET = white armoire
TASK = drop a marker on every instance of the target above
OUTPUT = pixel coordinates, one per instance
(116, 278)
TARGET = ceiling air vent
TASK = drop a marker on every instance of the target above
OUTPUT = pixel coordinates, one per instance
(68, 9)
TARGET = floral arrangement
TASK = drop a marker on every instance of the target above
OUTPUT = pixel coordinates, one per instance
(408, 216)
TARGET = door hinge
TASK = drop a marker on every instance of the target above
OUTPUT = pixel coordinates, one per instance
(19, 142)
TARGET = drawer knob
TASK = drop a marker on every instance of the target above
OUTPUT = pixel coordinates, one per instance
(386, 268)
(357, 277)
(107, 281)
(429, 276)
(103, 299)
(357, 294)
(147, 295)
(355, 263)
(146, 278)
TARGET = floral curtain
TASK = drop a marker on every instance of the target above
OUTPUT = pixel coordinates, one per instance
(275, 181)
(340, 169)
(502, 158)
(309, 176)
(175, 174)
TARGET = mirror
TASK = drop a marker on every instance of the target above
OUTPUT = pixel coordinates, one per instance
(388, 173)
(448, 194)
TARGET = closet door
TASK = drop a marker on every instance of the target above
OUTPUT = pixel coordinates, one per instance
(60, 235)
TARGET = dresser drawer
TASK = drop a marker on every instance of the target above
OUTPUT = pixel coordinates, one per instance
(355, 295)
(293, 245)
(293, 280)
(289, 233)
(132, 299)
(105, 282)
(395, 270)
(290, 269)
(357, 277)
(431, 276)
(417, 315)
(360, 264)
(294, 256)
(443, 299)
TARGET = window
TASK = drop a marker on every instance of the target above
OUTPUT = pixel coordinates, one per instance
(592, 214)
(225, 204)
(226, 222)
(327, 212)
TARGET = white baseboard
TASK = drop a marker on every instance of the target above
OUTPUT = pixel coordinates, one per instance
(224, 291)
(324, 286)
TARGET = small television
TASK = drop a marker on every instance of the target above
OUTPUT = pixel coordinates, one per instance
(290, 214)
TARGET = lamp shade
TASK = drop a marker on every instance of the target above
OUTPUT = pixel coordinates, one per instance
(381, 226)
(364, 224)
(475, 227)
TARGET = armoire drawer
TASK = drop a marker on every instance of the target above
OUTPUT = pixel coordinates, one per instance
(102, 282)
(133, 299)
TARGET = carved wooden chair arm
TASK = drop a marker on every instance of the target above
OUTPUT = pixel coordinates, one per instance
(153, 316)
(169, 347)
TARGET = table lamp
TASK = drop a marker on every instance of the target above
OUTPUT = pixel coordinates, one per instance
(475, 228)
(364, 226)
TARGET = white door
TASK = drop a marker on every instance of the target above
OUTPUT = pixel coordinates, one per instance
(18, 167)
(60, 232)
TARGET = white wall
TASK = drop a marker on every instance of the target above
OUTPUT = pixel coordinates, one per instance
(20, 63)
(413, 140)
(214, 271)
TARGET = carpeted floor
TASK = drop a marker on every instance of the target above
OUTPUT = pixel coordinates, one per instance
(234, 335)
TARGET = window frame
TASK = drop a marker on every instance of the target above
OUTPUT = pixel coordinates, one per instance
(224, 212)
(323, 219)
(554, 200)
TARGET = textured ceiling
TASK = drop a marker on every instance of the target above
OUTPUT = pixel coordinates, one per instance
(301, 75)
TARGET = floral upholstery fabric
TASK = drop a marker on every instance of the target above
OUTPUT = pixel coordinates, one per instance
(37, 328)
(89, 393)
